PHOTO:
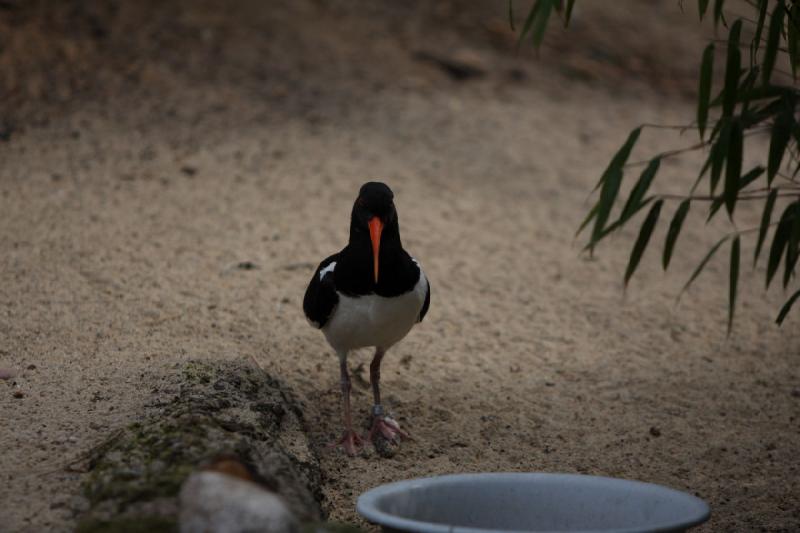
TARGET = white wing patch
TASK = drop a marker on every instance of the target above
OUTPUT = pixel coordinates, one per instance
(327, 269)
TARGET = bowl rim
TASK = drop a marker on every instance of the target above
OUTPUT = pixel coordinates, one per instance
(366, 504)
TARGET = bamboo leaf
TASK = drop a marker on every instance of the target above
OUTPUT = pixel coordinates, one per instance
(704, 93)
(765, 218)
(756, 42)
(764, 113)
(644, 237)
(608, 194)
(718, 14)
(718, 154)
(704, 168)
(779, 242)
(773, 40)
(792, 37)
(702, 6)
(511, 15)
(540, 24)
(589, 217)
(610, 182)
(751, 176)
(734, 280)
(792, 245)
(526, 26)
(786, 307)
(568, 13)
(715, 134)
(733, 69)
(639, 190)
(733, 168)
(779, 139)
(617, 224)
(716, 129)
(621, 157)
(745, 90)
(762, 92)
(703, 263)
(746, 180)
(796, 135)
(673, 232)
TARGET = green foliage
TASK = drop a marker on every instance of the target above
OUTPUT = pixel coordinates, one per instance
(704, 262)
(674, 230)
(786, 307)
(704, 93)
(758, 95)
(536, 21)
(644, 237)
(734, 279)
(610, 182)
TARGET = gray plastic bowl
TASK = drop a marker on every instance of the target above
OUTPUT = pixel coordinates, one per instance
(477, 503)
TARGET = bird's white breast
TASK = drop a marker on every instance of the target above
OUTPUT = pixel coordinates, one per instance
(373, 320)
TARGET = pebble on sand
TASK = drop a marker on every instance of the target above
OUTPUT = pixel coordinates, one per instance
(7, 373)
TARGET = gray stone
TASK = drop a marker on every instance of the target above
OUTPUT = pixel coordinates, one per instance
(212, 501)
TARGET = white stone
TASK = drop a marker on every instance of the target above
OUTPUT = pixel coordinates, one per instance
(218, 503)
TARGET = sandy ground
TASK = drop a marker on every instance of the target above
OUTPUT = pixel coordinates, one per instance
(212, 136)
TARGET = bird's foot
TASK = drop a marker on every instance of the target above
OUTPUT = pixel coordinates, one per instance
(385, 427)
(350, 441)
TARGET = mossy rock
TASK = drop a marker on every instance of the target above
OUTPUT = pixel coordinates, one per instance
(221, 410)
(132, 524)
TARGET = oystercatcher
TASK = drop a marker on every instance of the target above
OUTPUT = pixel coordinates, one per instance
(369, 294)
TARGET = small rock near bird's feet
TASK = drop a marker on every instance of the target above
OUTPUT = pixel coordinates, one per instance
(385, 447)
(388, 428)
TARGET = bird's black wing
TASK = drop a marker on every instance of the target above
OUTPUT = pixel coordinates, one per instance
(426, 303)
(321, 298)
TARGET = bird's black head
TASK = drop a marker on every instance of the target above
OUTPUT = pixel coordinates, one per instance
(374, 220)
(375, 199)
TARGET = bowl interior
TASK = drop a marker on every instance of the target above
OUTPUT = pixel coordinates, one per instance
(530, 502)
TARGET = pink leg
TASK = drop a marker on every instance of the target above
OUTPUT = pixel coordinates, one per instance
(350, 441)
(382, 424)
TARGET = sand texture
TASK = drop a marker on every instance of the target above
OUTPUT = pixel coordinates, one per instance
(171, 174)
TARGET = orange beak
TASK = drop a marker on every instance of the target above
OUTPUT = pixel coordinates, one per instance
(375, 229)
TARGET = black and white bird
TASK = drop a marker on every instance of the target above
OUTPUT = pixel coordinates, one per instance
(369, 294)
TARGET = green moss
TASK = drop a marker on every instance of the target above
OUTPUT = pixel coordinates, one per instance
(198, 372)
(219, 412)
(148, 462)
